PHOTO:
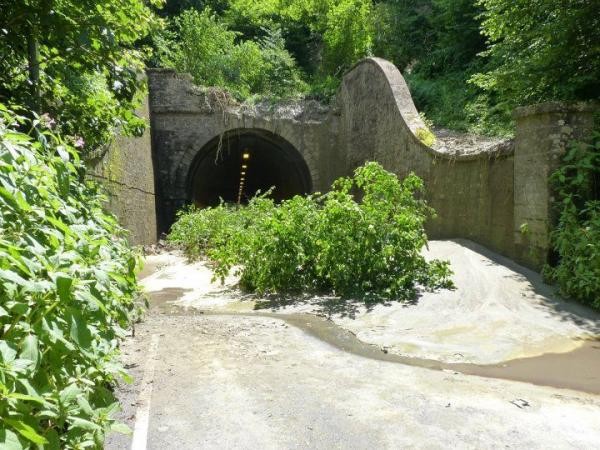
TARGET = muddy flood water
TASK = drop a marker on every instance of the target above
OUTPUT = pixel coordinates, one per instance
(578, 370)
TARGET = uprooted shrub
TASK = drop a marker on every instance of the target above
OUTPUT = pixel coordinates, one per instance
(67, 283)
(368, 248)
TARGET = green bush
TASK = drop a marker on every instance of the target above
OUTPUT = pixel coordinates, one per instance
(67, 282)
(576, 238)
(80, 61)
(202, 45)
(540, 50)
(326, 36)
(198, 230)
(328, 243)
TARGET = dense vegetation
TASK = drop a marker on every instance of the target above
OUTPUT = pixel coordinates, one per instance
(576, 239)
(468, 62)
(328, 243)
(67, 283)
(79, 61)
(204, 47)
(67, 277)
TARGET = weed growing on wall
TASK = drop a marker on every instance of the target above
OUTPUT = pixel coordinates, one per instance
(576, 238)
(67, 282)
(362, 239)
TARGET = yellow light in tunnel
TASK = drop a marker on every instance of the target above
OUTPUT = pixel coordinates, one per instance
(244, 166)
(246, 155)
(243, 172)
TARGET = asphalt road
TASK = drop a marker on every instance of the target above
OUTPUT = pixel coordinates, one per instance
(227, 382)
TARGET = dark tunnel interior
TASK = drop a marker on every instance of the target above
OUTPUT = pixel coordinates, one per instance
(240, 163)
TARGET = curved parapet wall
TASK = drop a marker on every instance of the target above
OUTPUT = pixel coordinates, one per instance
(472, 194)
(489, 195)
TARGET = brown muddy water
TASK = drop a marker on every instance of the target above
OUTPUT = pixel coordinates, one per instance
(577, 370)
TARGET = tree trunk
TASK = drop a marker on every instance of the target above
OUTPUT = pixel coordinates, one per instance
(33, 56)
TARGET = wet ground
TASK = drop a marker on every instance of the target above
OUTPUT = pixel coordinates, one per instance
(212, 372)
(578, 369)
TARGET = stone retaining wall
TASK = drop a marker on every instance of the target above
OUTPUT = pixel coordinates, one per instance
(498, 197)
(126, 170)
(472, 194)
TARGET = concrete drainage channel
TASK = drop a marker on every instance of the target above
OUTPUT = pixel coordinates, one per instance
(577, 370)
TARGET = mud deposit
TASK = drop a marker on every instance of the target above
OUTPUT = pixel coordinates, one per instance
(577, 370)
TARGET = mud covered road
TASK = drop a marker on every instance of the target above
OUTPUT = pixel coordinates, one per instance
(225, 382)
(215, 379)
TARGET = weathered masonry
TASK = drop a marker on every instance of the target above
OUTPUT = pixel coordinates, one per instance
(499, 197)
(126, 170)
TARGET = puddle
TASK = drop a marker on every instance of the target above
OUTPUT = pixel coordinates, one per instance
(162, 299)
(577, 370)
(149, 268)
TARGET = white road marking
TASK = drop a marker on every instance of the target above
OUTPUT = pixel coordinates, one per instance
(142, 416)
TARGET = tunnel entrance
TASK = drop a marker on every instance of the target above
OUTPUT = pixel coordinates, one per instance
(240, 163)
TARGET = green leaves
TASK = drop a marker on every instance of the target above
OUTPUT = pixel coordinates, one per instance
(323, 243)
(89, 62)
(576, 238)
(541, 50)
(30, 350)
(66, 288)
(63, 287)
(214, 55)
(9, 440)
(26, 431)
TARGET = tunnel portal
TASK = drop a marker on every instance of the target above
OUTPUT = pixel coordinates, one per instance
(238, 164)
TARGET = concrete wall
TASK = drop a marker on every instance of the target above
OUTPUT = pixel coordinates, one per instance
(126, 169)
(485, 196)
(472, 194)
(542, 136)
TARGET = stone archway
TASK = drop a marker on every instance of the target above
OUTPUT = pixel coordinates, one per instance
(271, 162)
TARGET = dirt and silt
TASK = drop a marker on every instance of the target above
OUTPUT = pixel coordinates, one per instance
(533, 379)
(577, 369)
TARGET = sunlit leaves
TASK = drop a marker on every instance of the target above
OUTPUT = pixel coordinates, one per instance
(576, 239)
(67, 279)
(542, 50)
(323, 243)
(256, 48)
(90, 62)
(205, 47)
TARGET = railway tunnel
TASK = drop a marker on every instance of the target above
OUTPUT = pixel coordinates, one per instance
(240, 163)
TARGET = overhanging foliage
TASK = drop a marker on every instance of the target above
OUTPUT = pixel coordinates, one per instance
(67, 282)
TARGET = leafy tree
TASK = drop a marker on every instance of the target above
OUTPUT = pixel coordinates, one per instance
(77, 60)
(541, 50)
(347, 34)
(576, 238)
(200, 43)
(436, 43)
(327, 36)
(404, 33)
(323, 243)
(173, 8)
